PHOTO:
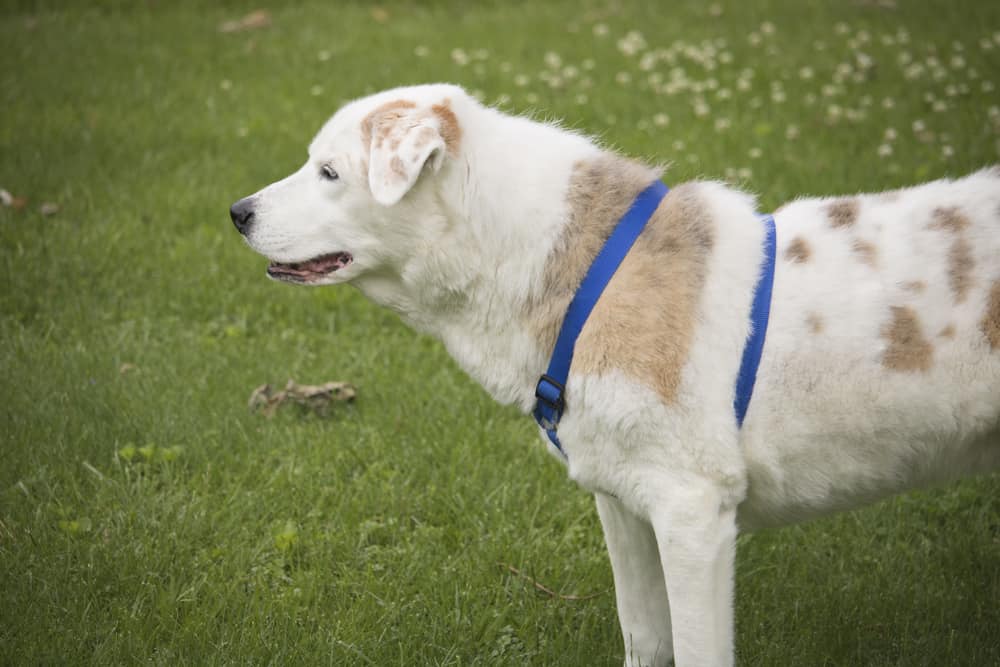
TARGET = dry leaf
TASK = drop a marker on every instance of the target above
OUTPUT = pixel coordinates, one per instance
(315, 397)
(18, 203)
(259, 18)
(127, 368)
(48, 208)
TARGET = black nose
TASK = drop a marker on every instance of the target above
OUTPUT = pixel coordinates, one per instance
(242, 214)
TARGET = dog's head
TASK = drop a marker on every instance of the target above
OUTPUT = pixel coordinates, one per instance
(364, 198)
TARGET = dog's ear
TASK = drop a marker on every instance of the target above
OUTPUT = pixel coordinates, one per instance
(403, 139)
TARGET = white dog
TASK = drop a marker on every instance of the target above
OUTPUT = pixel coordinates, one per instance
(880, 370)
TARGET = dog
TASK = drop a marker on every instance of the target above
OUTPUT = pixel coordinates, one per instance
(880, 370)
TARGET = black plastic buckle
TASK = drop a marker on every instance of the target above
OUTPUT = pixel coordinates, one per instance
(557, 402)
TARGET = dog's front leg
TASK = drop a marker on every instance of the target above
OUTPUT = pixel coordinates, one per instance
(643, 610)
(696, 535)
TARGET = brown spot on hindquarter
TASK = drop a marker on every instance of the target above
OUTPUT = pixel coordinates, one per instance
(378, 123)
(865, 251)
(451, 131)
(843, 212)
(960, 266)
(949, 219)
(914, 286)
(814, 322)
(798, 250)
(907, 350)
(644, 322)
(991, 319)
(960, 260)
(947, 332)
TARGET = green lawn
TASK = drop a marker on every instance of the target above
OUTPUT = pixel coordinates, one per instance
(147, 517)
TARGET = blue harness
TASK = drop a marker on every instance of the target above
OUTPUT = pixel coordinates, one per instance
(551, 388)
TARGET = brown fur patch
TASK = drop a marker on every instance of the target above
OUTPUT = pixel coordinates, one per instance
(866, 251)
(644, 322)
(451, 131)
(991, 319)
(397, 167)
(798, 250)
(843, 212)
(960, 266)
(815, 323)
(908, 350)
(379, 122)
(947, 332)
(915, 286)
(949, 219)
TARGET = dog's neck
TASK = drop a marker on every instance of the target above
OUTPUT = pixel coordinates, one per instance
(485, 287)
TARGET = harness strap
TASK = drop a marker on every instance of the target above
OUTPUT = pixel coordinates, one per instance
(551, 387)
(759, 315)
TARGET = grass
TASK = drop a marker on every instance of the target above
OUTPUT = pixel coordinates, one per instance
(146, 516)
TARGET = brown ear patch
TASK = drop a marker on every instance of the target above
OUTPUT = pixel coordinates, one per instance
(865, 251)
(377, 124)
(815, 323)
(451, 131)
(908, 350)
(843, 212)
(798, 251)
(644, 322)
(991, 319)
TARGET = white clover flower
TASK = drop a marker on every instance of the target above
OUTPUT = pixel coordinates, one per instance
(744, 173)
(459, 57)
(957, 62)
(767, 28)
(226, 84)
(723, 94)
(661, 120)
(792, 132)
(623, 78)
(701, 108)
(778, 96)
(806, 73)
(678, 145)
(939, 106)
(421, 51)
(890, 134)
(986, 86)
(985, 44)
(570, 72)
(316, 90)
(743, 84)
(841, 28)
(754, 39)
(722, 124)
(755, 153)
(919, 126)
(884, 150)
(715, 10)
(588, 64)
(725, 57)
(632, 43)
(600, 29)
(648, 61)
(521, 80)
(325, 55)
(947, 151)
(552, 60)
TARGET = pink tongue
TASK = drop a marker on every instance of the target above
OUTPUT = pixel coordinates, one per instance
(320, 265)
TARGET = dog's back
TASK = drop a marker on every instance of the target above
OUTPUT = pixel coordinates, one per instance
(882, 364)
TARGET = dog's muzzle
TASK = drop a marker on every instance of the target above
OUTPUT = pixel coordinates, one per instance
(242, 214)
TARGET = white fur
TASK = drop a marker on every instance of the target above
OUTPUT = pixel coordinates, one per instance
(460, 245)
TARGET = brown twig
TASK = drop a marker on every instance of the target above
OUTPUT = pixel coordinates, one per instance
(545, 589)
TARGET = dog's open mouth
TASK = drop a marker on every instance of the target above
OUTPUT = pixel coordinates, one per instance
(310, 270)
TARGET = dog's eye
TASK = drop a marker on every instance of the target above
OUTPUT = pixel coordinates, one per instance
(328, 172)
